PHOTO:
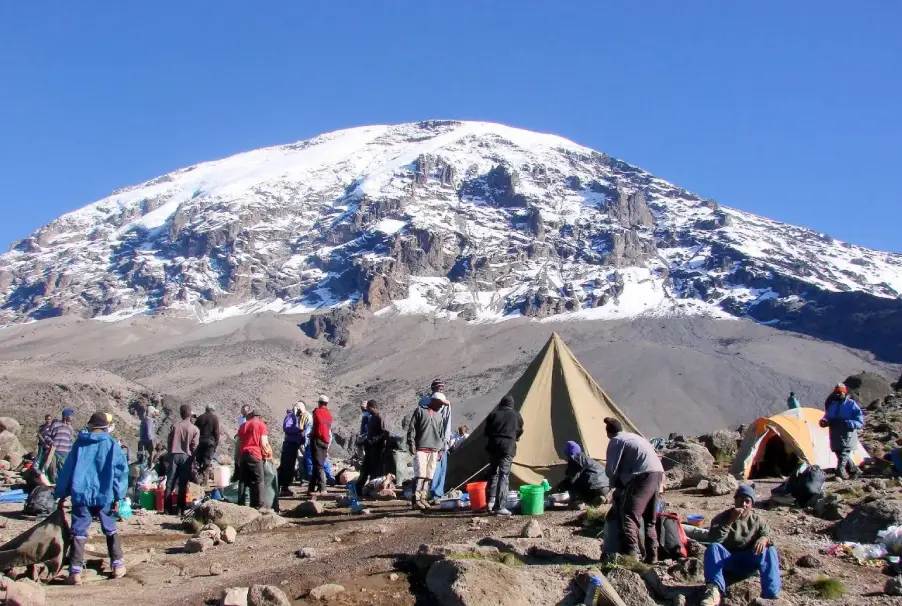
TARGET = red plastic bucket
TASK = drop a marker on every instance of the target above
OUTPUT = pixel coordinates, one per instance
(158, 501)
(476, 491)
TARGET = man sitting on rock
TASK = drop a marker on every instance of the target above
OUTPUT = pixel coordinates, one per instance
(740, 544)
(844, 418)
(584, 478)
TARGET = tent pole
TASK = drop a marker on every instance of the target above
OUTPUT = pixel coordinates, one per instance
(468, 479)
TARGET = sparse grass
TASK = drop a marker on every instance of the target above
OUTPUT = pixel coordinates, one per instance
(627, 563)
(506, 558)
(511, 559)
(593, 517)
(723, 457)
(825, 588)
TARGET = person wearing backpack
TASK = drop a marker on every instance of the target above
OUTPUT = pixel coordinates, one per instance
(95, 476)
(843, 418)
(740, 543)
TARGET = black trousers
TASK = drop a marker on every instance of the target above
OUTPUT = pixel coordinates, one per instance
(252, 479)
(499, 477)
(373, 467)
(204, 456)
(179, 471)
(287, 463)
(318, 481)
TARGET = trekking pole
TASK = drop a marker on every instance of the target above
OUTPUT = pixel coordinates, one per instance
(470, 478)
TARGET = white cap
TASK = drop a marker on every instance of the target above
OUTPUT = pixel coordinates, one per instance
(323, 399)
(440, 397)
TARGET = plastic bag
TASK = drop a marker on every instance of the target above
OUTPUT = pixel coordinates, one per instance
(867, 551)
(125, 509)
(148, 480)
(892, 539)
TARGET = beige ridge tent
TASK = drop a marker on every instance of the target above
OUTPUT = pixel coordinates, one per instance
(559, 401)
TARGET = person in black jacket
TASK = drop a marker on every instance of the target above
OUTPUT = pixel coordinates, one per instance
(503, 428)
(208, 426)
(374, 447)
(584, 479)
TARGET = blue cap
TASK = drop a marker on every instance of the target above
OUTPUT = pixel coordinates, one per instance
(68, 412)
(746, 491)
(572, 449)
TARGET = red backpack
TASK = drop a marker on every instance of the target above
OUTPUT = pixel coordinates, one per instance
(672, 539)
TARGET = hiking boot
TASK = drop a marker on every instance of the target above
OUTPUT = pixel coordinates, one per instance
(119, 572)
(504, 511)
(491, 506)
(711, 597)
(651, 559)
(74, 578)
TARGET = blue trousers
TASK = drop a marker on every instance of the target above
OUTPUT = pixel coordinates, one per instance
(81, 522)
(719, 561)
(308, 465)
(438, 480)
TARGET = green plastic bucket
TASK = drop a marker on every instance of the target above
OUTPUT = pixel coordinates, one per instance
(532, 500)
(148, 500)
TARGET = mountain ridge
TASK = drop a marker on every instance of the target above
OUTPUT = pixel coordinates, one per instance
(469, 220)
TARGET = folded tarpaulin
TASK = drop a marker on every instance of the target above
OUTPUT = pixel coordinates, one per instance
(39, 552)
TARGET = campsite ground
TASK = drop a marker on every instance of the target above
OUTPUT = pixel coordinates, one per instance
(361, 552)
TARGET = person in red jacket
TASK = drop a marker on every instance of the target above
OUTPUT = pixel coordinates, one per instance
(320, 438)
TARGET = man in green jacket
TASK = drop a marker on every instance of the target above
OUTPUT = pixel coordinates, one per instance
(740, 544)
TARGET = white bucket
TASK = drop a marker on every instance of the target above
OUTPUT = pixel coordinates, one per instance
(221, 476)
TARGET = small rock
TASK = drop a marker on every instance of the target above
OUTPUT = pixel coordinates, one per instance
(213, 535)
(308, 509)
(721, 485)
(229, 535)
(216, 569)
(393, 577)
(348, 476)
(532, 530)
(25, 593)
(326, 592)
(305, 553)
(810, 561)
(878, 484)
(267, 595)
(269, 521)
(893, 586)
(198, 545)
(235, 596)
(336, 539)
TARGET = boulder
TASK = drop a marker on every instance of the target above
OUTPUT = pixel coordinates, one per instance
(722, 444)
(263, 523)
(198, 545)
(688, 570)
(867, 388)
(267, 595)
(11, 425)
(427, 555)
(532, 530)
(224, 514)
(809, 561)
(307, 509)
(326, 592)
(213, 535)
(228, 535)
(867, 519)
(574, 550)
(477, 582)
(25, 592)
(630, 586)
(686, 464)
(719, 486)
(305, 553)
(235, 596)
(11, 449)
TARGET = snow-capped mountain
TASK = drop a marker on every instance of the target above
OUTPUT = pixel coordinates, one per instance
(464, 219)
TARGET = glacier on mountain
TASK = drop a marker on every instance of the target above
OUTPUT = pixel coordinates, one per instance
(465, 220)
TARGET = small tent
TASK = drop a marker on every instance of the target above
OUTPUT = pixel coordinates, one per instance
(559, 401)
(793, 433)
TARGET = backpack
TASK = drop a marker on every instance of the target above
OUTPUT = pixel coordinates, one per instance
(40, 502)
(672, 541)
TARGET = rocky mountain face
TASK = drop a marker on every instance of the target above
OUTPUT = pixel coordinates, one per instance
(464, 220)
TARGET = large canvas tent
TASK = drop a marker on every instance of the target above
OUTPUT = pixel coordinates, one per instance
(559, 401)
(794, 433)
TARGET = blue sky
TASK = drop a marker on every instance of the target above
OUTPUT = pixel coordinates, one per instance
(786, 109)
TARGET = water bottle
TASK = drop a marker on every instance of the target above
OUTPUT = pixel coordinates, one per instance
(592, 590)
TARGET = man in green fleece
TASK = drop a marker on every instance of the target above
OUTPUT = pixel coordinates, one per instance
(740, 544)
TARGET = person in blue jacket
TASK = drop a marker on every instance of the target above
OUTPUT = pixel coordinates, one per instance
(844, 418)
(95, 476)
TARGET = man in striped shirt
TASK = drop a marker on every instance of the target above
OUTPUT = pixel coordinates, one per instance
(62, 436)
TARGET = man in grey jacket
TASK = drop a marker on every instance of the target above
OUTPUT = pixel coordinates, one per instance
(425, 441)
(635, 471)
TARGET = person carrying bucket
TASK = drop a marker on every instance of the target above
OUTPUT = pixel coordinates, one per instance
(503, 428)
(634, 469)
